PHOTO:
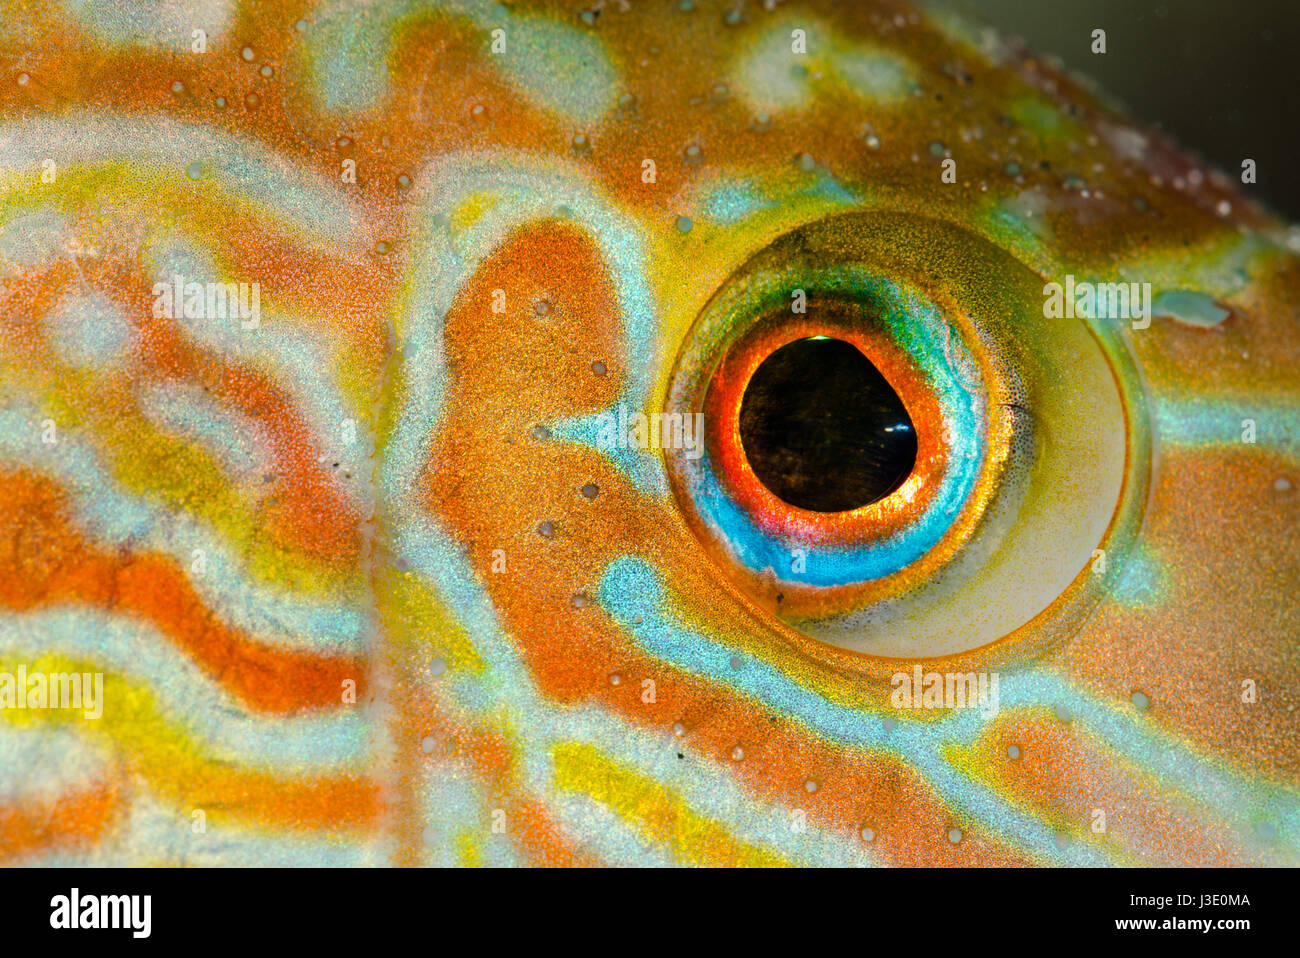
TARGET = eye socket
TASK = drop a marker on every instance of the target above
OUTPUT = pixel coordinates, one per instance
(1030, 452)
(823, 429)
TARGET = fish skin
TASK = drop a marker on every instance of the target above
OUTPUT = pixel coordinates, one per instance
(339, 557)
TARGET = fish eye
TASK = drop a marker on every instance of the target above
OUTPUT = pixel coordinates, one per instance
(822, 428)
(903, 456)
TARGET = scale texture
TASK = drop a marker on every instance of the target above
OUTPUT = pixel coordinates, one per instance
(368, 581)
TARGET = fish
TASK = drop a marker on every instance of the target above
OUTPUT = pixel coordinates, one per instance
(609, 434)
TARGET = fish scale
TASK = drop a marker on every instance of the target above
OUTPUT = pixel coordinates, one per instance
(315, 329)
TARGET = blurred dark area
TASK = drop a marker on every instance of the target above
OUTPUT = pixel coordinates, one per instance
(1220, 78)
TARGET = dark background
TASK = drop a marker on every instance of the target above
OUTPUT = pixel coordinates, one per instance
(1220, 77)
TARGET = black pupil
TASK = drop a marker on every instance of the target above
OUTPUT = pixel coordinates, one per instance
(823, 429)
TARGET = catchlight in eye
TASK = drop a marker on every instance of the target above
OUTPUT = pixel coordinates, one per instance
(823, 429)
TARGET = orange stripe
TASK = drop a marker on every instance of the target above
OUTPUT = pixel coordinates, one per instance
(339, 803)
(75, 819)
(44, 562)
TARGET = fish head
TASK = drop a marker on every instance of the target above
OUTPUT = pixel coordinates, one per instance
(679, 433)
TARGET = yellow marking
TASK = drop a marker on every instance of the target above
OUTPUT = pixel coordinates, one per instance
(654, 811)
(144, 744)
(468, 852)
(415, 618)
(471, 209)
